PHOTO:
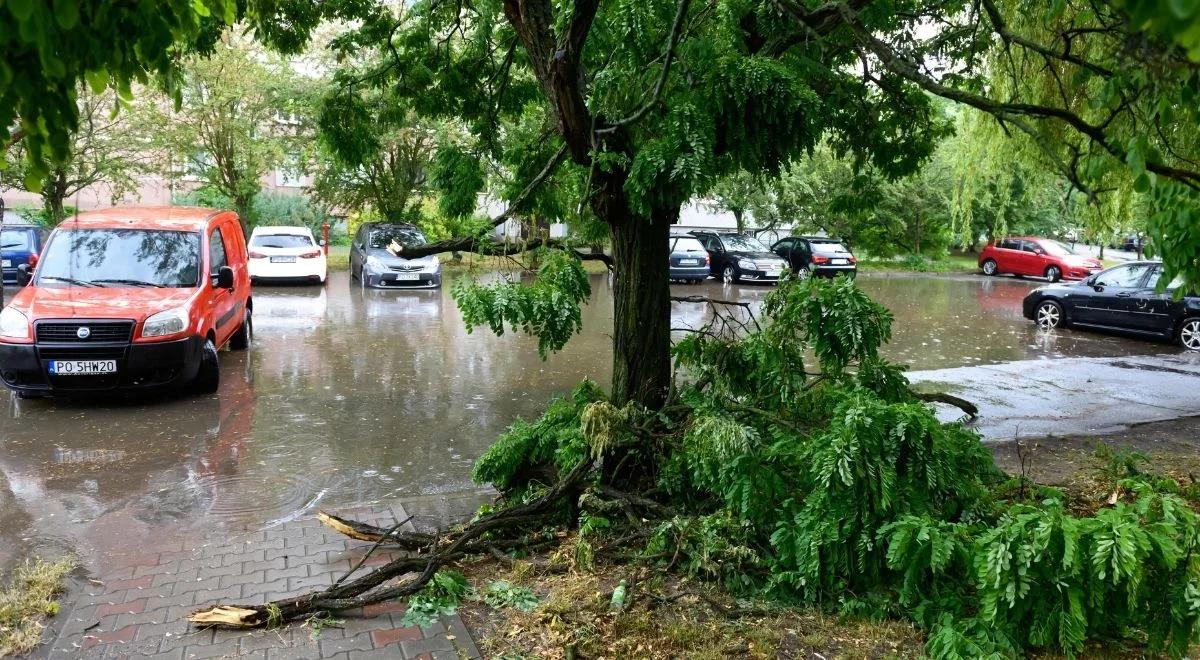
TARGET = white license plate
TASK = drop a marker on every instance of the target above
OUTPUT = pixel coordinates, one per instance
(689, 262)
(7, 263)
(408, 277)
(82, 367)
(283, 260)
(839, 262)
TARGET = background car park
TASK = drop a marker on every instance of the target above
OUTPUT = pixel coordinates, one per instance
(735, 257)
(1036, 257)
(286, 254)
(374, 262)
(816, 255)
(1124, 298)
(689, 260)
(19, 245)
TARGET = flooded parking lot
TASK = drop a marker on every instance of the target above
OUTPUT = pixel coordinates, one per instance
(352, 397)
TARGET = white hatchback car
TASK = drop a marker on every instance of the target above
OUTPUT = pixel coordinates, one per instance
(286, 253)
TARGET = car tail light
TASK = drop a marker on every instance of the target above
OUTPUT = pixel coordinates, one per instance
(820, 260)
(257, 255)
(853, 259)
(311, 255)
(707, 260)
(33, 259)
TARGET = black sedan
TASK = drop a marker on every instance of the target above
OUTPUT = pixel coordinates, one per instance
(1123, 298)
(816, 255)
(740, 257)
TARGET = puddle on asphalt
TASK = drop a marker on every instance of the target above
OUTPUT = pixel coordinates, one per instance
(351, 397)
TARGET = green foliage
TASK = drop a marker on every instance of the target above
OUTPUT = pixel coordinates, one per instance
(840, 489)
(458, 176)
(547, 308)
(502, 594)
(555, 438)
(440, 596)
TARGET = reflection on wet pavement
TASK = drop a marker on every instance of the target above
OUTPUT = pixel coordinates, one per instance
(353, 396)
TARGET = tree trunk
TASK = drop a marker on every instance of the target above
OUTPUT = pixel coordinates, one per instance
(738, 215)
(641, 308)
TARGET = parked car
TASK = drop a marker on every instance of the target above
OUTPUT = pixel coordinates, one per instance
(375, 260)
(1036, 257)
(19, 244)
(286, 254)
(734, 257)
(816, 255)
(129, 298)
(689, 261)
(1123, 298)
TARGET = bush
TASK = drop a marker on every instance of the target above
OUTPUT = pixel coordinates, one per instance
(836, 487)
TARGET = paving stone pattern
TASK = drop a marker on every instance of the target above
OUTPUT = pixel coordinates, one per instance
(138, 606)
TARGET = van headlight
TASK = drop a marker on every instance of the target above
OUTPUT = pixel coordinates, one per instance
(166, 323)
(13, 324)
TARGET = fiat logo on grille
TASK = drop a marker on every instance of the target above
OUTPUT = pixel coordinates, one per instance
(83, 332)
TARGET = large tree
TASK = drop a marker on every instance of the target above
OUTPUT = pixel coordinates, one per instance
(107, 150)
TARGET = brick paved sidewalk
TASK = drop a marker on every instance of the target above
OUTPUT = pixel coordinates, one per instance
(138, 608)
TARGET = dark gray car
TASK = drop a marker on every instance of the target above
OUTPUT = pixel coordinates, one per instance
(375, 262)
(689, 260)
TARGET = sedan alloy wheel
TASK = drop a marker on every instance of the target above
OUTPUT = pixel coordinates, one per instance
(1049, 315)
(729, 275)
(989, 267)
(1189, 334)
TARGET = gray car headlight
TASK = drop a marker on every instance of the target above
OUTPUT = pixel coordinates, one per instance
(434, 265)
(374, 263)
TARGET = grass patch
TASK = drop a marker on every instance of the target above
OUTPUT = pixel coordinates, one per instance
(339, 259)
(664, 617)
(951, 263)
(29, 599)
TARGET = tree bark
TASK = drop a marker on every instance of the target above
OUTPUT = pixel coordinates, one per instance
(641, 308)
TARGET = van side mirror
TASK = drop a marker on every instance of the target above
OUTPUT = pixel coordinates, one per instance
(23, 275)
(225, 278)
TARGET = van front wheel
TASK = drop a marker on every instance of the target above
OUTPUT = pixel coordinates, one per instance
(208, 377)
(240, 340)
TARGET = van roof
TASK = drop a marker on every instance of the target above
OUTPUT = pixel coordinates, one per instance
(178, 218)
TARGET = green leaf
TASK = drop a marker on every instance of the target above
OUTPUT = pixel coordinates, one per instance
(21, 9)
(1184, 9)
(97, 80)
(66, 12)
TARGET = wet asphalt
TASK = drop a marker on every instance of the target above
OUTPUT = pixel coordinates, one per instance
(352, 397)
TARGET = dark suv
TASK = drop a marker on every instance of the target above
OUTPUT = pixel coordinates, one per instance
(816, 255)
(737, 257)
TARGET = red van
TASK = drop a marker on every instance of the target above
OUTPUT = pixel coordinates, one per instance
(129, 298)
(1036, 257)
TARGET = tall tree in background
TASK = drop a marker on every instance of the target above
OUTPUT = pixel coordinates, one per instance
(107, 151)
(237, 121)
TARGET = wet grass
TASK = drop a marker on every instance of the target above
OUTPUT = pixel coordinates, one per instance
(28, 600)
(339, 259)
(952, 263)
(664, 617)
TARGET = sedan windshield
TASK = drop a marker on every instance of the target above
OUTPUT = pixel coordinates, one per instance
(1056, 249)
(742, 243)
(122, 257)
(382, 237)
(281, 241)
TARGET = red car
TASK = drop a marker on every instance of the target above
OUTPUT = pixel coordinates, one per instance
(1036, 257)
(129, 298)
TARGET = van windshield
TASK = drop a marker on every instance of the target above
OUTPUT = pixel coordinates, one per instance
(121, 257)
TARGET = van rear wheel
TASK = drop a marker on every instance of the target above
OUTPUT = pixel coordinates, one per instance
(208, 377)
(240, 340)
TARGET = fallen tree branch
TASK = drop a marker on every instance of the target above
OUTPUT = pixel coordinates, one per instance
(365, 590)
(364, 532)
(967, 407)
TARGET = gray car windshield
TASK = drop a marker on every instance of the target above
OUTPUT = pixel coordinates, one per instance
(381, 237)
(742, 243)
(116, 257)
